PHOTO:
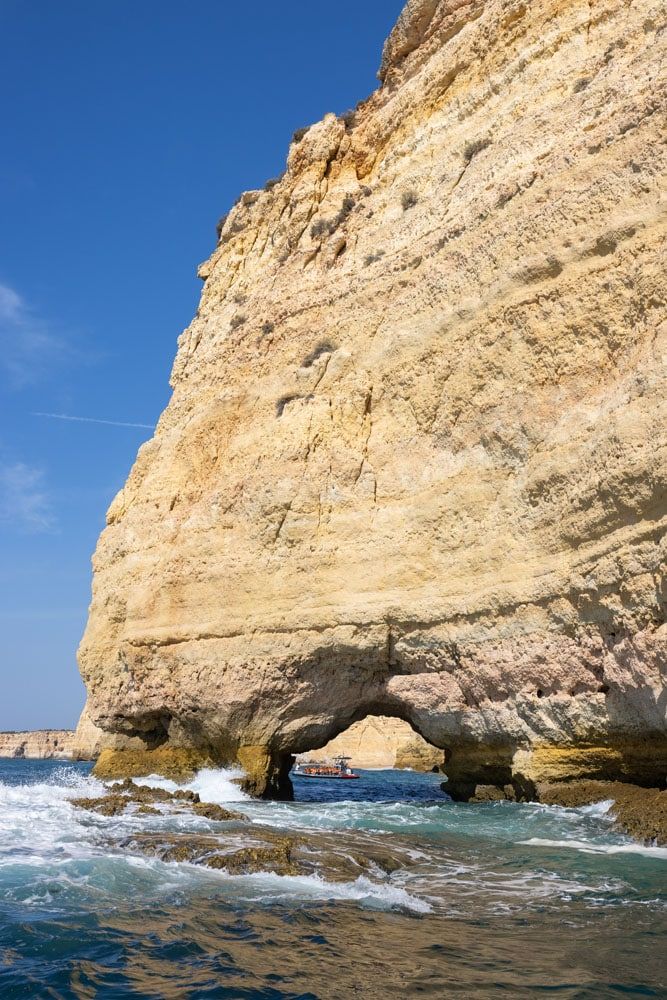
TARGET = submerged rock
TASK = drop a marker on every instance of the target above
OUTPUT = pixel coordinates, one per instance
(277, 858)
(148, 811)
(258, 849)
(639, 812)
(214, 853)
(127, 792)
(211, 811)
(415, 459)
(105, 805)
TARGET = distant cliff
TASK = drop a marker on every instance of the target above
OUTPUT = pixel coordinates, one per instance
(41, 743)
(381, 742)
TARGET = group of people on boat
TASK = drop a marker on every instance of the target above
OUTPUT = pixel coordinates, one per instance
(338, 768)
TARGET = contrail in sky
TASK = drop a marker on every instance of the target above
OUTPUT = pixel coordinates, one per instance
(93, 420)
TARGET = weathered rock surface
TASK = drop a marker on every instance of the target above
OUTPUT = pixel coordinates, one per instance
(127, 793)
(415, 459)
(178, 764)
(641, 812)
(89, 739)
(381, 742)
(38, 743)
(258, 849)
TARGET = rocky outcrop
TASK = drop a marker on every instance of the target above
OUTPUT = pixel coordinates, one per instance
(124, 795)
(381, 742)
(414, 463)
(640, 812)
(40, 743)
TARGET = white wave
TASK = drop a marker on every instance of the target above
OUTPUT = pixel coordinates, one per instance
(381, 818)
(50, 849)
(269, 887)
(524, 889)
(38, 825)
(218, 785)
(598, 810)
(591, 848)
(70, 778)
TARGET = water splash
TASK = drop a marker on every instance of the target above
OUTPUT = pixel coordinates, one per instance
(589, 847)
(219, 785)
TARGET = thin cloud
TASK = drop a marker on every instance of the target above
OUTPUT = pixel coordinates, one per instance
(24, 505)
(93, 420)
(28, 346)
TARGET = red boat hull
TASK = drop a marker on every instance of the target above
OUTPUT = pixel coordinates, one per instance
(328, 777)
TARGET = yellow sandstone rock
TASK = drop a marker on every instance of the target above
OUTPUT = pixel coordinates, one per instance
(38, 743)
(415, 460)
(177, 763)
(381, 742)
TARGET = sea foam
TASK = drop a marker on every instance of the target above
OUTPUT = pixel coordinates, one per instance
(218, 785)
(269, 887)
(590, 847)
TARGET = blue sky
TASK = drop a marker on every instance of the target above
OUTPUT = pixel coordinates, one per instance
(129, 128)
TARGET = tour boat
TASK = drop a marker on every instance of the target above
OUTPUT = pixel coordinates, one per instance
(338, 769)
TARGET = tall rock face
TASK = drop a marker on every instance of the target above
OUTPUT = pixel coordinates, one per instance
(415, 460)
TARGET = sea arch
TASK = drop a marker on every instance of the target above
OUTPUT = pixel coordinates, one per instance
(507, 711)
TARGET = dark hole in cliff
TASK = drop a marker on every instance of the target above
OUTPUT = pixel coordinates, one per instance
(152, 728)
(323, 347)
(540, 693)
(390, 758)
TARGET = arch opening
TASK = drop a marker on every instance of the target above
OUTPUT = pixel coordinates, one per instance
(378, 742)
(376, 737)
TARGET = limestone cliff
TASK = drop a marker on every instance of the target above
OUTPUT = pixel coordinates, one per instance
(88, 739)
(414, 463)
(39, 743)
(380, 742)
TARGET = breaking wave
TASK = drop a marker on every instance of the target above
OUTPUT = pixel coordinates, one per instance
(589, 847)
(218, 785)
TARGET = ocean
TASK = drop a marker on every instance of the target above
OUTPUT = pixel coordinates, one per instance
(491, 900)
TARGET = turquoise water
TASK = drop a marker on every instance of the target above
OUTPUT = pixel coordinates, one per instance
(492, 900)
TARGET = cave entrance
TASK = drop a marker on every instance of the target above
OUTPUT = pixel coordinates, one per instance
(393, 761)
